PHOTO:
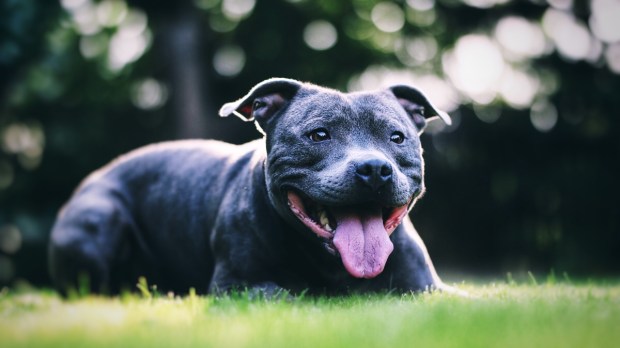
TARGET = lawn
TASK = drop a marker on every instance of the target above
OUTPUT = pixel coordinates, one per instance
(502, 314)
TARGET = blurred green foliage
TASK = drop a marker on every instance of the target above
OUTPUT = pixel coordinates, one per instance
(526, 178)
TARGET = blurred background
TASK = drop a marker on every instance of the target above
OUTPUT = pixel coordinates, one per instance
(526, 179)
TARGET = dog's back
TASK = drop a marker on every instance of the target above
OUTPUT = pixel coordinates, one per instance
(161, 189)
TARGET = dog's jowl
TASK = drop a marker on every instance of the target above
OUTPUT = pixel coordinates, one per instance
(319, 204)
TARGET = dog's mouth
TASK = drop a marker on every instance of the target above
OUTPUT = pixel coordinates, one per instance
(359, 233)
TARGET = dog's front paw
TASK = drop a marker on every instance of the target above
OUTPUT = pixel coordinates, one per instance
(448, 289)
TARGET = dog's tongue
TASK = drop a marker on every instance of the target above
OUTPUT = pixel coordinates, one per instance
(362, 241)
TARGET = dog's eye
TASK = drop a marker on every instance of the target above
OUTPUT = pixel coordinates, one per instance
(397, 137)
(258, 104)
(319, 134)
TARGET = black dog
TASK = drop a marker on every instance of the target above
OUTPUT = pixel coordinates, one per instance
(319, 204)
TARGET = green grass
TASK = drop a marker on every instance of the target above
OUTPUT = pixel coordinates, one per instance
(495, 315)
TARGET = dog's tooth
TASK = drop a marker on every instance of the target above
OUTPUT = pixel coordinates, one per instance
(330, 248)
(324, 220)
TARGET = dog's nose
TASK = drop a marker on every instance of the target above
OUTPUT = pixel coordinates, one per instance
(374, 172)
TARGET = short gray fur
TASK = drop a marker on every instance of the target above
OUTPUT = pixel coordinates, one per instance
(215, 216)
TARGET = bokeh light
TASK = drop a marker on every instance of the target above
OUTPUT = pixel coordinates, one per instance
(149, 94)
(388, 17)
(10, 239)
(561, 4)
(134, 23)
(85, 18)
(129, 42)
(596, 51)
(475, 67)
(612, 56)
(237, 9)
(570, 36)
(605, 20)
(206, 4)
(484, 3)
(320, 35)
(417, 51)
(130, 37)
(487, 113)
(421, 19)
(440, 92)
(518, 88)
(110, 13)
(229, 60)
(26, 141)
(72, 4)
(421, 5)
(520, 37)
(92, 46)
(543, 115)
(222, 24)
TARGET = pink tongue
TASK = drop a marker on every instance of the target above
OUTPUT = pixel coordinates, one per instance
(362, 241)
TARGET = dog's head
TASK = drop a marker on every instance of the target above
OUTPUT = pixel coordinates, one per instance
(346, 167)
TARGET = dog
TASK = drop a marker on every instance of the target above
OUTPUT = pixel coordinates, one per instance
(319, 204)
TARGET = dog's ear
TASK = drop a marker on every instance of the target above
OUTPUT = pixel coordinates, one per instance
(263, 100)
(418, 106)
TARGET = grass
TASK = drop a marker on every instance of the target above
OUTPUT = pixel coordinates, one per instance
(550, 314)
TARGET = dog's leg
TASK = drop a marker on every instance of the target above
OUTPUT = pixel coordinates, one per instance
(85, 241)
(410, 267)
(224, 281)
(76, 264)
